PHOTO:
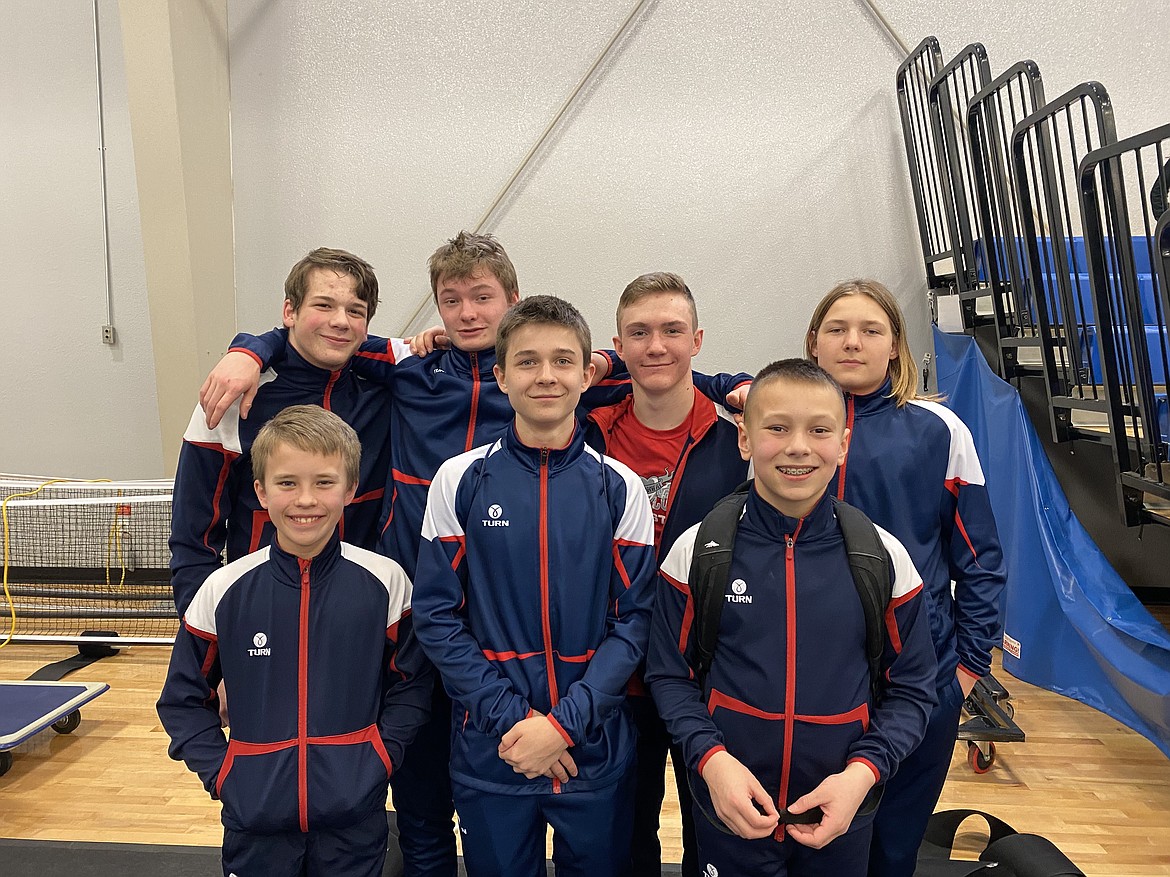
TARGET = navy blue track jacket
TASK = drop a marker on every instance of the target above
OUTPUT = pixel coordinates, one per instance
(215, 505)
(788, 692)
(328, 687)
(533, 592)
(915, 472)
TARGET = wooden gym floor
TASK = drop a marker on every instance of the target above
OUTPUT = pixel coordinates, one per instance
(1095, 788)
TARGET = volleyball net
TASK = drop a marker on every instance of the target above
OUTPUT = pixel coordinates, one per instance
(86, 561)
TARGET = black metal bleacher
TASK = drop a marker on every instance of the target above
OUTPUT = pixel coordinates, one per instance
(930, 205)
(1047, 147)
(1126, 248)
(949, 96)
(1000, 264)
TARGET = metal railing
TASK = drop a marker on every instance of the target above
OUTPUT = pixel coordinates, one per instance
(948, 97)
(931, 206)
(1000, 267)
(1046, 149)
(1122, 189)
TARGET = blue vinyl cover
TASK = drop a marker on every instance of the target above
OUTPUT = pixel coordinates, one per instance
(1080, 630)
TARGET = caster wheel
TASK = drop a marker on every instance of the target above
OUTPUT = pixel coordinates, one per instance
(5, 762)
(1009, 709)
(68, 724)
(979, 762)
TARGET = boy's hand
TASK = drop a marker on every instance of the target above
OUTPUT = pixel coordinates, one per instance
(236, 375)
(966, 682)
(838, 796)
(600, 368)
(563, 768)
(428, 340)
(737, 398)
(736, 792)
(533, 746)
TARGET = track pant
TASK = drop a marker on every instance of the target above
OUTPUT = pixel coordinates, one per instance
(650, 788)
(728, 855)
(504, 835)
(912, 793)
(355, 851)
(422, 796)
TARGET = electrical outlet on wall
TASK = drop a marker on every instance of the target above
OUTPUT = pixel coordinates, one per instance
(108, 335)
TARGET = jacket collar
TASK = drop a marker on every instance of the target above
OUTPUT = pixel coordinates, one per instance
(287, 567)
(702, 416)
(869, 403)
(299, 371)
(769, 521)
(558, 458)
(466, 364)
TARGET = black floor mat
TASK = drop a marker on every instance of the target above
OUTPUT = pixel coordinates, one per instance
(37, 858)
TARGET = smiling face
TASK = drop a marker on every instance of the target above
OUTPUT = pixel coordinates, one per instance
(657, 339)
(331, 322)
(305, 494)
(544, 372)
(471, 309)
(855, 344)
(794, 432)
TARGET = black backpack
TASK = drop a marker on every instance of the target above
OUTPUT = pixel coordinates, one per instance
(869, 562)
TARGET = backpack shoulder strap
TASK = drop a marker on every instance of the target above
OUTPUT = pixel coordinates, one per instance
(710, 563)
(869, 564)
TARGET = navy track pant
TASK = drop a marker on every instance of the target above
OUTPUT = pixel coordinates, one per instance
(728, 855)
(354, 851)
(422, 797)
(504, 835)
(650, 788)
(912, 793)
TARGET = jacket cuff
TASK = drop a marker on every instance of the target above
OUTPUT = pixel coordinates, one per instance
(703, 761)
(974, 675)
(259, 361)
(877, 774)
(560, 730)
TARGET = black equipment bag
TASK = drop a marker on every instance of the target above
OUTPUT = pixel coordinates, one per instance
(1008, 853)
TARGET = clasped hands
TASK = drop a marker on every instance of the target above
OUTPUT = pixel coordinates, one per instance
(534, 747)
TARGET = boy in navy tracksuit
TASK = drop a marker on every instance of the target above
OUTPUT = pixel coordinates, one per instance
(533, 599)
(685, 449)
(786, 720)
(312, 635)
(330, 297)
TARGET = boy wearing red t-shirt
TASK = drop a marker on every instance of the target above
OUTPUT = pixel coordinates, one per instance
(685, 449)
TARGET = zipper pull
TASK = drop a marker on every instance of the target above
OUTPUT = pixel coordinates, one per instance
(544, 456)
(788, 544)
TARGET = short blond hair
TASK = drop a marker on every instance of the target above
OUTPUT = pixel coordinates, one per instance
(312, 429)
(651, 284)
(903, 378)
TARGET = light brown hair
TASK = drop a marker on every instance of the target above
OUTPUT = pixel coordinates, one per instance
(312, 429)
(903, 379)
(296, 285)
(795, 370)
(547, 310)
(468, 254)
(650, 284)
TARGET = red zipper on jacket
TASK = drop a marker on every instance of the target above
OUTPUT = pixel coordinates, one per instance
(545, 620)
(303, 699)
(470, 442)
(845, 462)
(789, 671)
(327, 399)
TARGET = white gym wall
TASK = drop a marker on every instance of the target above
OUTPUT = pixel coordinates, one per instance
(752, 146)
